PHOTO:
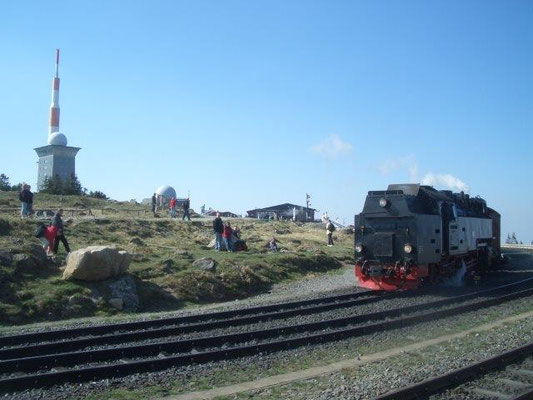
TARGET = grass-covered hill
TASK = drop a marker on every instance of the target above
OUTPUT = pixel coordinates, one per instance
(163, 254)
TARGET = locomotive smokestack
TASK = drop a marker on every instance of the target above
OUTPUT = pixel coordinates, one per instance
(54, 107)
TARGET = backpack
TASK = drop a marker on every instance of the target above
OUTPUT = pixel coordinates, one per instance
(240, 245)
(39, 232)
(330, 227)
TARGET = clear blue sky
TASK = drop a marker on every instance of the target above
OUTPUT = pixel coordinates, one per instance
(253, 103)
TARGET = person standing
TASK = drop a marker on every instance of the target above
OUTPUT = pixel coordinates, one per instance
(26, 198)
(30, 201)
(330, 228)
(218, 228)
(172, 205)
(154, 203)
(186, 206)
(57, 222)
(226, 234)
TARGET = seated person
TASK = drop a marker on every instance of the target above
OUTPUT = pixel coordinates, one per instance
(273, 244)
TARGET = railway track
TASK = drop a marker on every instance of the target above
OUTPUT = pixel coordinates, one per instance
(514, 379)
(76, 338)
(46, 365)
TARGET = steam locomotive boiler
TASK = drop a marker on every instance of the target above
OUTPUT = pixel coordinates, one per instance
(410, 234)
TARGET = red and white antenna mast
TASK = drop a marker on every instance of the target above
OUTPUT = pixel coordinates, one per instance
(54, 107)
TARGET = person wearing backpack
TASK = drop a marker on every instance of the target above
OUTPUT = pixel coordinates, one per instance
(57, 223)
(330, 228)
(46, 236)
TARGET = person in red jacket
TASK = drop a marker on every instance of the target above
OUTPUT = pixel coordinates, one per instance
(173, 207)
(49, 236)
(226, 235)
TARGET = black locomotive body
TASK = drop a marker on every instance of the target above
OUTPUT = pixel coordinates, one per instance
(412, 233)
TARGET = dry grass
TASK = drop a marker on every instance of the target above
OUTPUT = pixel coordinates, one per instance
(163, 252)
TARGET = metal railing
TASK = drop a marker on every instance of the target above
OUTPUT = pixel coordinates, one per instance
(517, 246)
(49, 212)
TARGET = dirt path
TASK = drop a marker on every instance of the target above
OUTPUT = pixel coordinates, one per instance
(291, 377)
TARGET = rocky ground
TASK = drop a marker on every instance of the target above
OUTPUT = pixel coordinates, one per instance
(359, 382)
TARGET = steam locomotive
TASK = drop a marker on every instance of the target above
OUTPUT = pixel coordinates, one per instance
(410, 234)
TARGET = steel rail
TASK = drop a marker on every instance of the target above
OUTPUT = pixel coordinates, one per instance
(114, 338)
(118, 337)
(31, 357)
(459, 376)
(32, 337)
(128, 367)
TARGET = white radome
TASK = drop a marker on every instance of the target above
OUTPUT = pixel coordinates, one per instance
(166, 191)
(57, 139)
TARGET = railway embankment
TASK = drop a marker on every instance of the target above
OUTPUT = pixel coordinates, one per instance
(233, 351)
(348, 360)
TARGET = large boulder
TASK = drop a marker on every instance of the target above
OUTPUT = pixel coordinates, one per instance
(96, 263)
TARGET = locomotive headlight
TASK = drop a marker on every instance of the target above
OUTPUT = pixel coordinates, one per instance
(383, 202)
(359, 248)
(408, 248)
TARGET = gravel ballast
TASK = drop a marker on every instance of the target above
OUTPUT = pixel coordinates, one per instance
(225, 372)
(373, 379)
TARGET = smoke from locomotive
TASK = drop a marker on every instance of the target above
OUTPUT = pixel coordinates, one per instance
(411, 233)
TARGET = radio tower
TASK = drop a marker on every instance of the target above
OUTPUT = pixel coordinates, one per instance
(54, 137)
(56, 159)
(54, 107)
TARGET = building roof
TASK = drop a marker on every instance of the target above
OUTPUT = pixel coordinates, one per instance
(281, 206)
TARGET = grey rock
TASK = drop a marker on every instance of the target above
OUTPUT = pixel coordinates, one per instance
(25, 264)
(168, 266)
(6, 258)
(38, 254)
(137, 241)
(125, 289)
(78, 306)
(5, 227)
(116, 302)
(205, 264)
(44, 213)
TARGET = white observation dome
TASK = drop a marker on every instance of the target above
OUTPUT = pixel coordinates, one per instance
(166, 191)
(57, 139)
